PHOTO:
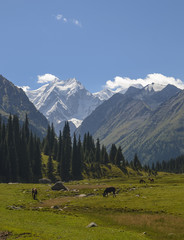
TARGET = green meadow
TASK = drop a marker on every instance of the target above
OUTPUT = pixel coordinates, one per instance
(139, 211)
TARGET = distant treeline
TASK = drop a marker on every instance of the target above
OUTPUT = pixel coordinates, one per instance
(175, 165)
(21, 161)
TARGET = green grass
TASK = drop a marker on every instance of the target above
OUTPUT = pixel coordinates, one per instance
(139, 211)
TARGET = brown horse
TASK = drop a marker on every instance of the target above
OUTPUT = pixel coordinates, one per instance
(151, 179)
(34, 193)
(109, 190)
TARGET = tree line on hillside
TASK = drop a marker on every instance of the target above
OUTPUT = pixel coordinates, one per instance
(21, 154)
(174, 165)
(75, 156)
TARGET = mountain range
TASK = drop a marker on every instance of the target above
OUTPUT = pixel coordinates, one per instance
(13, 100)
(144, 120)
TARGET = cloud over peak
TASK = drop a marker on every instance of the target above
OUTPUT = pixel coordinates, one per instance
(46, 78)
(125, 82)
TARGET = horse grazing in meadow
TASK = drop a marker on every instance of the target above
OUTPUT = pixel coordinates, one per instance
(34, 193)
(109, 190)
(151, 179)
(142, 181)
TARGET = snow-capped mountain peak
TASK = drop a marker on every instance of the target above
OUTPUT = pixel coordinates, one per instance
(154, 87)
(104, 94)
(62, 101)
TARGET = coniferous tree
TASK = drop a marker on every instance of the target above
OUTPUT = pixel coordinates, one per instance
(66, 153)
(74, 158)
(26, 129)
(37, 166)
(59, 153)
(119, 159)
(16, 142)
(112, 153)
(88, 146)
(50, 169)
(24, 160)
(9, 142)
(46, 147)
(97, 151)
(79, 159)
(104, 155)
(136, 163)
(18, 158)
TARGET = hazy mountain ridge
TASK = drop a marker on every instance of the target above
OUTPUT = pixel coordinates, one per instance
(13, 100)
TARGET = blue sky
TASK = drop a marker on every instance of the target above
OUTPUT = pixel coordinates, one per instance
(96, 41)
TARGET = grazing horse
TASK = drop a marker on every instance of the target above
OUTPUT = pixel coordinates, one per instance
(34, 193)
(142, 181)
(109, 190)
(151, 179)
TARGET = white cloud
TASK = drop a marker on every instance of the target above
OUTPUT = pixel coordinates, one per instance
(46, 78)
(25, 88)
(124, 82)
(77, 23)
(59, 17)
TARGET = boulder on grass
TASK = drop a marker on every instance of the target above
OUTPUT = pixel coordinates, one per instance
(92, 224)
(45, 181)
(59, 186)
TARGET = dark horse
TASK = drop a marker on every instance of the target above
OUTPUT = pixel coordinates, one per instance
(109, 190)
(142, 181)
(34, 193)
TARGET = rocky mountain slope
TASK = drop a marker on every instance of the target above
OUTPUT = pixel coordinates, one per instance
(141, 121)
(13, 100)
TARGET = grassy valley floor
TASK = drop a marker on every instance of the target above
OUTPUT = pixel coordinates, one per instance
(139, 211)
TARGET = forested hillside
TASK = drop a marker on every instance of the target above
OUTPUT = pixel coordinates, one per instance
(21, 155)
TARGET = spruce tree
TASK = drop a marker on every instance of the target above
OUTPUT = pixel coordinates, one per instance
(104, 155)
(59, 154)
(37, 167)
(112, 154)
(74, 158)
(97, 151)
(66, 153)
(50, 169)
(119, 159)
(136, 163)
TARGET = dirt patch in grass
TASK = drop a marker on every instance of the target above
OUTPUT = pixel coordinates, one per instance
(86, 186)
(56, 201)
(4, 235)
